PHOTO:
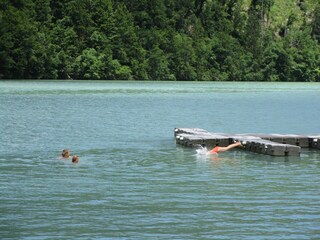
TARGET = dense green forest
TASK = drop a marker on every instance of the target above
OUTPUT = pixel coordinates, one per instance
(202, 40)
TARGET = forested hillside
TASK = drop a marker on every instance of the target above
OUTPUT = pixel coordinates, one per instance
(203, 40)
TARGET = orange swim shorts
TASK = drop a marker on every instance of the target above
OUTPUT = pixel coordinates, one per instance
(215, 150)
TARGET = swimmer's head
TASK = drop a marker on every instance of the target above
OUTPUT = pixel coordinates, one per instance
(65, 153)
(75, 159)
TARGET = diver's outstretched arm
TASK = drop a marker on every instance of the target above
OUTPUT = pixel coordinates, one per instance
(233, 145)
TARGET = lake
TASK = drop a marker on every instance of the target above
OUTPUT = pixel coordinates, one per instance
(134, 182)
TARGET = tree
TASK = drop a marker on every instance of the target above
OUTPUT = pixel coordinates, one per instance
(89, 65)
(211, 40)
(183, 58)
(158, 65)
(126, 46)
(305, 55)
(18, 31)
(316, 24)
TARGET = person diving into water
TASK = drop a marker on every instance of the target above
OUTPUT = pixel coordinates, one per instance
(218, 149)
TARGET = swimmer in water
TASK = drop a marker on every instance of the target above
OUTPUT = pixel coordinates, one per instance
(218, 149)
(65, 154)
(75, 159)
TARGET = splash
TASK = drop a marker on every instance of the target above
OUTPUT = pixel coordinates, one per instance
(202, 151)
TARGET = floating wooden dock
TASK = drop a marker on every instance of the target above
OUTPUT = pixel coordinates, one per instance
(270, 144)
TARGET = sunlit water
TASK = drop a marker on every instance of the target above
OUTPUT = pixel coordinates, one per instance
(133, 182)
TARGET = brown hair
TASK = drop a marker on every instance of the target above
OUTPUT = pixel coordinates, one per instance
(75, 159)
(65, 153)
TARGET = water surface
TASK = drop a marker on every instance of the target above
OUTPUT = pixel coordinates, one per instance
(133, 182)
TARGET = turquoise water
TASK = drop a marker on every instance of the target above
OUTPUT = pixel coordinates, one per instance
(133, 182)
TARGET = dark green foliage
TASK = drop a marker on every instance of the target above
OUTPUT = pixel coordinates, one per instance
(316, 23)
(203, 40)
